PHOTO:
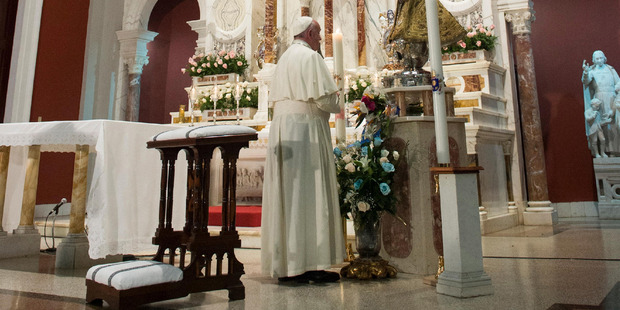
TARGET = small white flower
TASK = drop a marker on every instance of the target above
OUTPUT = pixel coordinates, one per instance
(395, 155)
(204, 100)
(354, 87)
(384, 153)
(245, 84)
(227, 85)
(228, 96)
(347, 158)
(363, 206)
(248, 90)
(248, 98)
(350, 167)
(364, 84)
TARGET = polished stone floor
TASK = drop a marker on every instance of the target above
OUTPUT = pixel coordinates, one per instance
(573, 265)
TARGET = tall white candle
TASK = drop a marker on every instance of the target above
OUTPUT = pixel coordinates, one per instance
(338, 61)
(439, 98)
(339, 72)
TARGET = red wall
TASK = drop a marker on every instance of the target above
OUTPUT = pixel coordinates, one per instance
(58, 86)
(565, 33)
(162, 89)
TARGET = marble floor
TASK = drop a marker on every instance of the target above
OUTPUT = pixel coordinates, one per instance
(573, 265)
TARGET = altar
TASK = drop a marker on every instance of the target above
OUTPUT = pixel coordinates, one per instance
(122, 184)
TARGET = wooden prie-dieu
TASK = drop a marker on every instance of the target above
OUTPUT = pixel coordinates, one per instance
(212, 263)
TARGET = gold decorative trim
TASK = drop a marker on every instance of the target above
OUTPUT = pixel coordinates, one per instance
(467, 103)
(368, 268)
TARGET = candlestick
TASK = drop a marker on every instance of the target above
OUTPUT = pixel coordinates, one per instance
(237, 98)
(192, 100)
(439, 98)
(338, 56)
(215, 94)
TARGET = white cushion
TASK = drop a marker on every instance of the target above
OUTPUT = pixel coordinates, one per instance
(136, 273)
(203, 131)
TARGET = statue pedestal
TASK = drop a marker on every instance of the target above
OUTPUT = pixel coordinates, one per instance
(607, 175)
(411, 248)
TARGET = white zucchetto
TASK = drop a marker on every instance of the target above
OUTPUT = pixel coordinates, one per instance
(300, 24)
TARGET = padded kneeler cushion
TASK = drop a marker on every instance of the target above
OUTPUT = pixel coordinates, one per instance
(132, 274)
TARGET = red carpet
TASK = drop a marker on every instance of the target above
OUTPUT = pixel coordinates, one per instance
(247, 216)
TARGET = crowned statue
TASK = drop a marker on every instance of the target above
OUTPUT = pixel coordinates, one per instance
(410, 35)
(601, 85)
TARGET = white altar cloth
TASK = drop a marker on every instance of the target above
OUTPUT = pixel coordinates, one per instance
(123, 182)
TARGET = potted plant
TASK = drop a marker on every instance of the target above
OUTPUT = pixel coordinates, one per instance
(216, 68)
(477, 45)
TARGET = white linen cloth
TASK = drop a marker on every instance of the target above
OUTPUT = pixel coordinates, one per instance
(301, 223)
(132, 274)
(123, 179)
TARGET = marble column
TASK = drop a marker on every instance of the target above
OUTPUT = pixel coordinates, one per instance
(361, 33)
(329, 28)
(269, 30)
(78, 193)
(134, 54)
(133, 98)
(29, 198)
(539, 210)
(4, 169)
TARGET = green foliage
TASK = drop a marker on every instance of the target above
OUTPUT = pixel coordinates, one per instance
(221, 63)
(247, 99)
(477, 38)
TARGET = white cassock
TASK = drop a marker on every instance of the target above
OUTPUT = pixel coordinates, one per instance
(301, 223)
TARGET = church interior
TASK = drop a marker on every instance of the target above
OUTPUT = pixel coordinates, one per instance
(88, 87)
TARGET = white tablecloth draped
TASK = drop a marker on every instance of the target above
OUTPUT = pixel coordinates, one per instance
(123, 182)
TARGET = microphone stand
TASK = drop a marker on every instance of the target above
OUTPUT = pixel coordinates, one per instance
(55, 211)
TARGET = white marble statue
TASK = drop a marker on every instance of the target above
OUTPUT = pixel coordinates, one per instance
(594, 125)
(600, 81)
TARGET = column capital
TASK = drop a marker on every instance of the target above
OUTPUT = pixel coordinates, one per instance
(305, 3)
(133, 48)
(521, 20)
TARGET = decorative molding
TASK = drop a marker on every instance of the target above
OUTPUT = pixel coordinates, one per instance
(133, 48)
(521, 21)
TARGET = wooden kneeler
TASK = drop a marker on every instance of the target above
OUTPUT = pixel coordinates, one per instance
(197, 274)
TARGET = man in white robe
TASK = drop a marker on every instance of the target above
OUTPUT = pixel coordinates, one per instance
(301, 224)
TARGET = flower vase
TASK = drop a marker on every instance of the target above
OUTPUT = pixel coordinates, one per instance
(368, 237)
(368, 265)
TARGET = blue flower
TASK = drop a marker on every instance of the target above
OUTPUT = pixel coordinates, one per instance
(337, 152)
(378, 141)
(387, 167)
(365, 151)
(357, 144)
(358, 184)
(385, 189)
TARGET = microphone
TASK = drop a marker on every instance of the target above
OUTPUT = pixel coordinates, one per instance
(62, 201)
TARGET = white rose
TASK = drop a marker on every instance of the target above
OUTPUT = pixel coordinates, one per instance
(384, 153)
(363, 206)
(383, 160)
(396, 155)
(354, 87)
(350, 167)
(248, 98)
(248, 90)
(347, 158)
(228, 96)
(204, 100)
(364, 84)
(245, 84)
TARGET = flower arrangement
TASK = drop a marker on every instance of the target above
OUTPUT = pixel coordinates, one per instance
(222, 62)
(478, 37)
(356, 89)
(365, 169)
(226, 97)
